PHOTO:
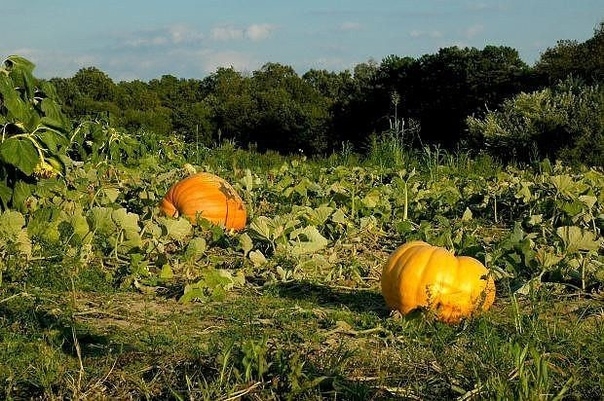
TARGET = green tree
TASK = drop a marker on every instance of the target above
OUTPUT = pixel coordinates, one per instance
(290, 113)
(569, 57)
(564, 122)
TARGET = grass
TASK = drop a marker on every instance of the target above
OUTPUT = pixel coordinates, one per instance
(67, 332)
(299, 340)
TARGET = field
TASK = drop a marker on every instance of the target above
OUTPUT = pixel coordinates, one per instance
(103, 298)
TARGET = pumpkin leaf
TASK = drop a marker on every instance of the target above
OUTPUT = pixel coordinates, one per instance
(177, 229)
(306, 240)
(246, 243)
(214, 285)
(257, 258)
(577, 239)
(195, 249)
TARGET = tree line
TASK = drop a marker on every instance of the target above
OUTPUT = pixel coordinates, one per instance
(276, 108)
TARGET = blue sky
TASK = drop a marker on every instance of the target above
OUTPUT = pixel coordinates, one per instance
(145, 39)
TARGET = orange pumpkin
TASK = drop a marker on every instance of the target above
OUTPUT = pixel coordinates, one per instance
(208, 196)
(419, 275)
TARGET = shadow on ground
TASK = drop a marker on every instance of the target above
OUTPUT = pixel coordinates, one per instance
(356, 300)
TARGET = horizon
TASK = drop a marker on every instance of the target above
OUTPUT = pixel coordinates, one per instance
(144, 41)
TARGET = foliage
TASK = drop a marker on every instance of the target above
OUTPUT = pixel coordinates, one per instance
(318, 112)
(103, 297)
(34, 130)
(565, 122)
(580, 60)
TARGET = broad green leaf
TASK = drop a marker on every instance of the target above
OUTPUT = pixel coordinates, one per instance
(166, 272)
(577, 239)
(247, 181)
(567, 185)
(80, 225)
(195, 249)
(339, 217)
(214, 284)
(177, 229)
(53, 116)
(6, 194)
(535, 219)
(262, 226)
(21, 192)
(372, 198)
(588, 200)
(127, 221)
(525, 192)
(257, 258)
(11, 224)
(467, 215)
(99, 220)
(12, 229)
(53, 141)
(246, 243)
(547, 257)
(21, 153)
(306, 240)
(319, 215)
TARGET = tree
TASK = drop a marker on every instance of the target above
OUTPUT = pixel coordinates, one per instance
(569, 57)
(291, 113)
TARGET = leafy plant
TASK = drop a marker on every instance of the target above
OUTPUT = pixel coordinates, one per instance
(34, 141)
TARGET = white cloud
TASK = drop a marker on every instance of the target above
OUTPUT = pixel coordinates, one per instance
(177, 34)
(350, 26)
(472, 31)
(181, 33)
(482, 6)
(258, 32)
(225, 33)
(212, 60)
(425, 34)
(254, 32)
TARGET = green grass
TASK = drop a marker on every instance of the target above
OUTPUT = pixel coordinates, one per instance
(91, 317)
(301, 340)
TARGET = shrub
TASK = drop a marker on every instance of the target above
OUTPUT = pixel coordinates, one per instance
(565, 122)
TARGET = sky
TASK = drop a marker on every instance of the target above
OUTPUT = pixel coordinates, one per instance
(145, 39)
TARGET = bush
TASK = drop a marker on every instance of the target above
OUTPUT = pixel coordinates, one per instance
(565, 122)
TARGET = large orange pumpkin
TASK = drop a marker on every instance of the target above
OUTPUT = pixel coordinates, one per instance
(419, 275)
(208, 196)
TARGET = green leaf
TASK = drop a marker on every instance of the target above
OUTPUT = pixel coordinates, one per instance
(214, 284)
(246, 243)
(319, 215)
(99, 219)
(263, 227)
(6, 193)
(372, 198)
(128, 221)
(195, 249)
(577, 239)
(21, 192)
(112, 194)
(11, 224)
(547, 258)
(166, 272)
(12, 229)
(257, 258)
(53, 141)
(306, 240)
(177, 229)
(53, 116)
(20, 153)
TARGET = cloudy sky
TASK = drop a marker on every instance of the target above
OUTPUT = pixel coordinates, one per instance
(145, 39)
